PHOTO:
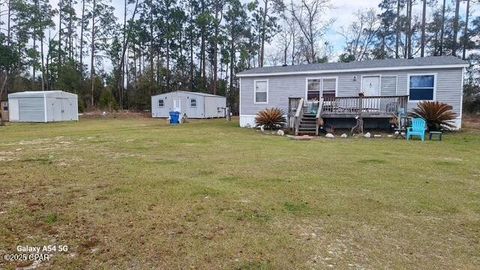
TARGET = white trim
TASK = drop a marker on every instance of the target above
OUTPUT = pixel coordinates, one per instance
(351, 70)
(321, 84)
(239, 98)
(435, 76)
(44, 106)
(379, 82)
(255, 91)
(461, 99)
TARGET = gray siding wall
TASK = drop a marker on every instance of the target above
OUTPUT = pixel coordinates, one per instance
(448, 87)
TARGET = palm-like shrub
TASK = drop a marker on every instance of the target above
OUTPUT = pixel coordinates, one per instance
(270, 118)
(437, 114)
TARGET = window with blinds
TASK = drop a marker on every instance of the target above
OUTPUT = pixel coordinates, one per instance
(323, 87)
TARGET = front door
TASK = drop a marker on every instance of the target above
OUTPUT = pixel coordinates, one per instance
(371, 87)
(177, 105)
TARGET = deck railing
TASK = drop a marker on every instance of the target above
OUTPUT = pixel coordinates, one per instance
(370, 105)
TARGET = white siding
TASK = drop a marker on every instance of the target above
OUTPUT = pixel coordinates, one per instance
(48, 106)
(206, 105)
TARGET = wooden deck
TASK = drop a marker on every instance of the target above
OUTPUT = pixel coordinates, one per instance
(301, 112)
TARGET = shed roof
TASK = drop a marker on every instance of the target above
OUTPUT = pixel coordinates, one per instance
(192, 93)
(52, 93)
(385, 64)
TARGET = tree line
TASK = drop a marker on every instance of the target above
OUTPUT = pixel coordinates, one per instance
(158, 46)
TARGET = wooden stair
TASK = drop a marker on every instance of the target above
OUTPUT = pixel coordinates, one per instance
(308, 124)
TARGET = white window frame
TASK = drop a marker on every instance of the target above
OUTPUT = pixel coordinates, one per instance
(255, 91)
(163, 102)
(195, 102)
(321, 84)
(434, 86)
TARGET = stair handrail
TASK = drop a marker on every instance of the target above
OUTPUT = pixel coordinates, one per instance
(318, 116)
(298, 115)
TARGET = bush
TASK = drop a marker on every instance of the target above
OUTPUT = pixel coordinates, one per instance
(270, 118)
(437, 114)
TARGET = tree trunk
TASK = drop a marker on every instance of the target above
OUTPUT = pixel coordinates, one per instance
(397, 30)
(82, 26)
(60, 34)
(43, 63)
(9, 15)
(424, 17)
(262, 42)
(167, 73)
(126, 39)
(232, 65)
(442, 32)
(190, 34)
(409, 44)
(455, 27)
(465, 34)
(215, 48)
(92, 57)
(33, 66)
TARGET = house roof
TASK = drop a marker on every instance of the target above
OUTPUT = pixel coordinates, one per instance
(386, 64)
(192, 93)
(52, 93)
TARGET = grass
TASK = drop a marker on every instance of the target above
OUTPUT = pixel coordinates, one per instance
(137, 193)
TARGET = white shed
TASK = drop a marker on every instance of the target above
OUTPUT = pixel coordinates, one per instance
(43, 106)
(193, 104)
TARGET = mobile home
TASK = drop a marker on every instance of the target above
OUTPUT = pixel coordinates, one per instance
(376, 89)
(191, 104)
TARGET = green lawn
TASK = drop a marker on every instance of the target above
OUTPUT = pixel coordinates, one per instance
(139, 194)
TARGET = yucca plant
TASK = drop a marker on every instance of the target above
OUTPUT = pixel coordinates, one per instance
(437, 114)
(270, 118)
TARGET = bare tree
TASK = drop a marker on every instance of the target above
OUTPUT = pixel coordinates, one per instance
(456, 26)
(465, 32)
(360, 35)
(398, 28)
(442, 32)
(424, 17)
(309, 17)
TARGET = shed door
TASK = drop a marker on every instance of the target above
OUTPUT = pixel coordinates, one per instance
(31, 109)
(56, 110)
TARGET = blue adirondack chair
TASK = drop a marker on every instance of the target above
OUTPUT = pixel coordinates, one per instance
(418, 128)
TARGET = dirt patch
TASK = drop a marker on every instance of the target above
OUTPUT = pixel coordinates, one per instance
(471, 121)
(114, 115)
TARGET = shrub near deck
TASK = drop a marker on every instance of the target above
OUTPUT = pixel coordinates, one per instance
(141, 194)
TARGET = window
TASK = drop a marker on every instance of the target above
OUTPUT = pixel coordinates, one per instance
(261, 91)
(193, 102)
(325, 87)
(313, 91)
(329, 88)
(160, 103)
(422, 87)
